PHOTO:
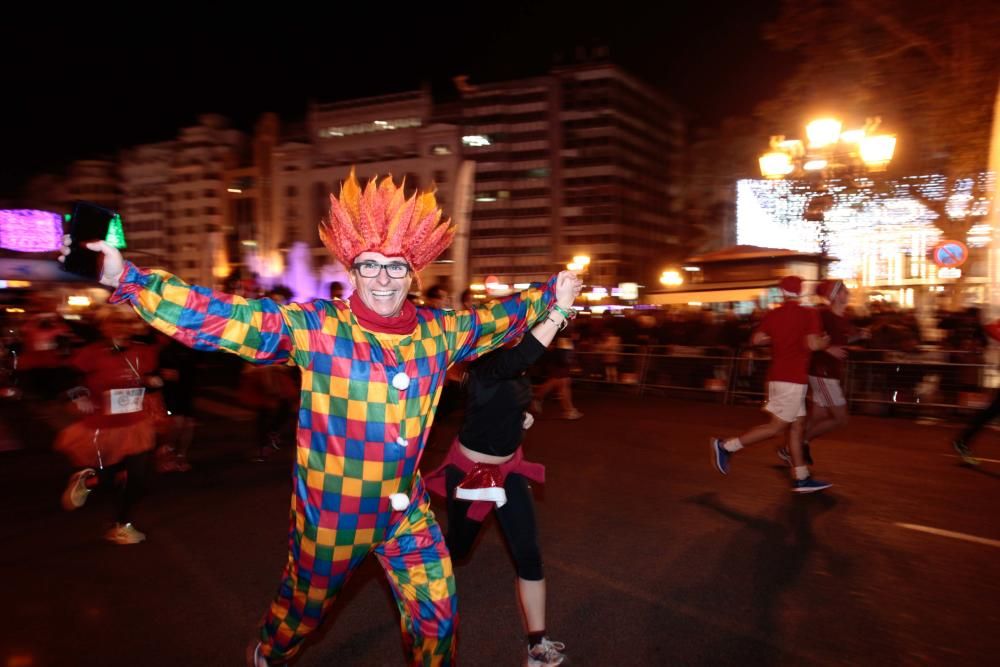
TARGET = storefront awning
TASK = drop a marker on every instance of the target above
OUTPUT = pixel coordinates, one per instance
(753, 290)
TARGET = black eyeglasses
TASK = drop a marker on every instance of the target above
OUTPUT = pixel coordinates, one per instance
(372, 269)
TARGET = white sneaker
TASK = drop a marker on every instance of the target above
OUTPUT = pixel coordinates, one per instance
(76, 491)
(124, 534)
(546, 654)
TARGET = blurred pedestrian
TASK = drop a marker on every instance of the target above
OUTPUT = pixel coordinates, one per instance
(485, 469)
(963, 443)
(111, 443)
(178, 368)
(557, 366)
(793, 332)
(826, 369)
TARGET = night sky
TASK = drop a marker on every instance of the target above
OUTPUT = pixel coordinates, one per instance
(83, 87)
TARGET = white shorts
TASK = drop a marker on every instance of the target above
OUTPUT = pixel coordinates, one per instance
(786, 400)
(826, 392)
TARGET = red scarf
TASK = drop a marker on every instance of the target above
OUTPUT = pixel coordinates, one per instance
(404, 323)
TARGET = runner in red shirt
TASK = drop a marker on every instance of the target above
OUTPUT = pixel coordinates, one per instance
(111, 443)
(794, 333)
(826, 371)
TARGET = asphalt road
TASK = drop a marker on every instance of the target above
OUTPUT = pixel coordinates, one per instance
(652, 557)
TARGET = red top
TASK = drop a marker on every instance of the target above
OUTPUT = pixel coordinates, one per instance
(839, 329)
(788, 325)
(108, 370)
(993, 330)
(41, 343)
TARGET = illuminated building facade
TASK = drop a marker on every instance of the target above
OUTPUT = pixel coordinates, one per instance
(879, 236)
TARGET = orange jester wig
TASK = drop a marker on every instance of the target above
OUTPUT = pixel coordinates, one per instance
(381, 219)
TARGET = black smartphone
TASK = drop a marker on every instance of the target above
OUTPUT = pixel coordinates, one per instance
(89, 222)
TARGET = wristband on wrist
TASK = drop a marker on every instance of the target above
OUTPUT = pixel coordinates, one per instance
(559, 325)
(568, 314)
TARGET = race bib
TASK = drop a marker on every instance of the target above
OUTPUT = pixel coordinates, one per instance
(124, 401)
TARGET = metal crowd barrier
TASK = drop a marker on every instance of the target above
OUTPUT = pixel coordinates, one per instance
(875, 381)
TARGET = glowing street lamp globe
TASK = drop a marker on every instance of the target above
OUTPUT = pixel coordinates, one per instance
(876, 151)
(671, 278)
(776, 164)
(823, 132)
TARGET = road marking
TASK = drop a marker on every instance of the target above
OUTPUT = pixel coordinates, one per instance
(949, 533)
(955, 456)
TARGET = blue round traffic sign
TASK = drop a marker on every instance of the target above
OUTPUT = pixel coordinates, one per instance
(950, 254)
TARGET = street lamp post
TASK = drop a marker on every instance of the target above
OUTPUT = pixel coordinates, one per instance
(829, 152)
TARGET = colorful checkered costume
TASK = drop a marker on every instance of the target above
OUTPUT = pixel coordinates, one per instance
(359, 439)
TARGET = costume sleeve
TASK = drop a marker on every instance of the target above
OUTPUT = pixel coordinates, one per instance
(471, 333)
(257, 330)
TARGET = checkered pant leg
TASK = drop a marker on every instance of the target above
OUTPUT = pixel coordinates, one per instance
(309, 585)
(418, 566)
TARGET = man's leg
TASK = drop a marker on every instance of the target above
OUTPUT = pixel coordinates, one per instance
(758, 433)
(785, 404)
(981, 419)
(417, 564)
(825, 420)
(136, 467)
(795, 446)
(802, 482)
(319, 564)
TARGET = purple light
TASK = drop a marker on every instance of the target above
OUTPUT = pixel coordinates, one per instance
(28, 230)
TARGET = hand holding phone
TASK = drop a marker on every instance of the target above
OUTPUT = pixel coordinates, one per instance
(86, 253)
(89, 222)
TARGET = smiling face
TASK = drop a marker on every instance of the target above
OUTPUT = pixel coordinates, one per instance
(382, 293)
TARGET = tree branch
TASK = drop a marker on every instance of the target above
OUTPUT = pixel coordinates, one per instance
(895, 52)
(891, 25)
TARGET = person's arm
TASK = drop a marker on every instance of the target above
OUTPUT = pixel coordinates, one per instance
(508, 362)
(762, 333)
(474, 332)
(257, 330)
(816, 338)
(817, 341)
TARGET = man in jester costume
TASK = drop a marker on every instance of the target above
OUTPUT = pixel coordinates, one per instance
(372, 372)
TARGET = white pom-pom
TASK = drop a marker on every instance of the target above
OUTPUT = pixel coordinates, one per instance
(399, 501)
(401, 441)
(401, 381)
